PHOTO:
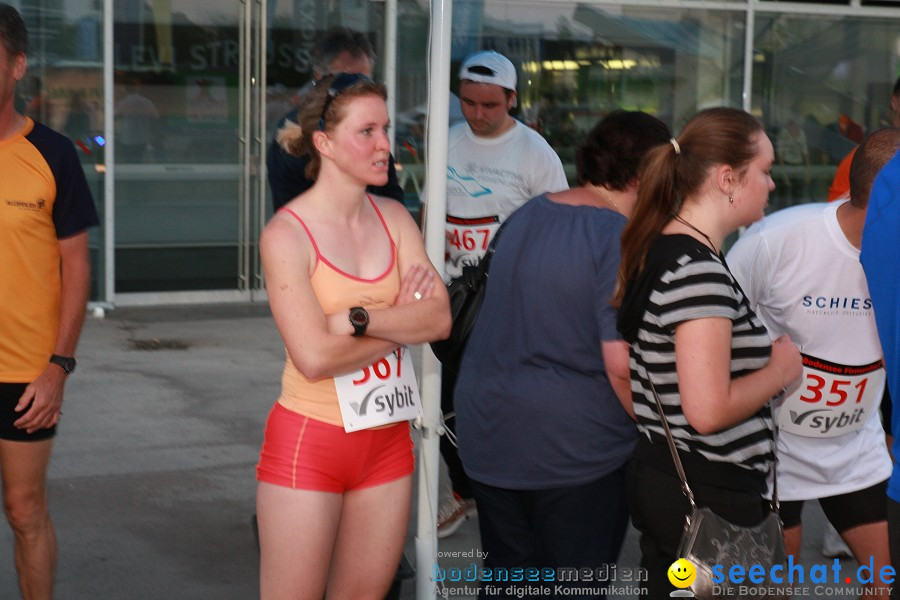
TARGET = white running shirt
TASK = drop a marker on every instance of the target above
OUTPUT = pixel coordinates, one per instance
(804, 278)
(488, 179)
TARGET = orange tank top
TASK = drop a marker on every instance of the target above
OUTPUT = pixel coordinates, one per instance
(336, 290)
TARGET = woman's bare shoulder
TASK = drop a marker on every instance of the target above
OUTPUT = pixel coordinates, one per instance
(395, 214)
(284, 231)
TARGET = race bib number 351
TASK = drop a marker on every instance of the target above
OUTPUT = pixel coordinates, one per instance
(833, 399)
(382, 393)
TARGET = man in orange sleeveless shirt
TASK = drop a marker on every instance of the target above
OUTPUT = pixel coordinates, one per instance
(45, 210)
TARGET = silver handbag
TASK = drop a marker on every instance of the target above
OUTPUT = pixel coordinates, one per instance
(710, 540)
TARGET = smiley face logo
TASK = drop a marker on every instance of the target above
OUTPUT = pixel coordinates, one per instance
(682, 573)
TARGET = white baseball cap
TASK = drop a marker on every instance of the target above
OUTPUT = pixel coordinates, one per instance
(489, 66)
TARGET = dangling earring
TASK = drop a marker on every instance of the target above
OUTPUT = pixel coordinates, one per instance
(730, 200)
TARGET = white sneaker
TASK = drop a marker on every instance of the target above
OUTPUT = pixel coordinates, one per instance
(453, 513)
(833, 545)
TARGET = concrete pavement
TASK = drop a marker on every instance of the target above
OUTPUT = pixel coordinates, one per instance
(152, 481)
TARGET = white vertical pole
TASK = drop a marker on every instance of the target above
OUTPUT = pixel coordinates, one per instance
(747, 93)
(390, 63)
(109, 175)
(434, 214)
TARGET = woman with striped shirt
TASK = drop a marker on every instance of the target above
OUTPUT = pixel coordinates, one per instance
(693, 335)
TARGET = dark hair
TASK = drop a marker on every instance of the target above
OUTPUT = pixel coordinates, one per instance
(717, 136)
(13, 33)
(896, 87)
(296, 138)
(875, 151)
(339, 41)
(612, 152)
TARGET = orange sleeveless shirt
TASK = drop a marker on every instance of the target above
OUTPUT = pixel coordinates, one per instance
(335, 290)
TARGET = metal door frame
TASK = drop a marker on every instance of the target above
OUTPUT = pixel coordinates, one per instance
(252, 85)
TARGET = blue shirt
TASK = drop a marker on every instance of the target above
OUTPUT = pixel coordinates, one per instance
(881, 261)
(534, 406)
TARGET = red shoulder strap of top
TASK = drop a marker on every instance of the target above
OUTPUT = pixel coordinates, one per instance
(386, 230)
(308, 233)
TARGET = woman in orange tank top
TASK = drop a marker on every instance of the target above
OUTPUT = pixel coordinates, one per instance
(349, 283)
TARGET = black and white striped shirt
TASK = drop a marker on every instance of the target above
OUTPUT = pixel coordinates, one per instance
(691, 282)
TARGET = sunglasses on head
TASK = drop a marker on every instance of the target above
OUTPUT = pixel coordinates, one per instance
(341, 83)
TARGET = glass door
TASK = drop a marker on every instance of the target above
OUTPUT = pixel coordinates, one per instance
(186, 148)
(199, 86)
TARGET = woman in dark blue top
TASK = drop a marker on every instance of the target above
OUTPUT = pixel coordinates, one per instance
(541, 429)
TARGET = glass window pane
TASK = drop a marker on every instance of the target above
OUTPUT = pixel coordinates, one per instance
(577, 62)
(819, 85)
(63, 88)
(177, 145)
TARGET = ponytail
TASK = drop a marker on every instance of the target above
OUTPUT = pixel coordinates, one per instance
(656, 201)
(290, 138)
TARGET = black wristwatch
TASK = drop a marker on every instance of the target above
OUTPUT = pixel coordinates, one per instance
(66, 363)
(359, 318)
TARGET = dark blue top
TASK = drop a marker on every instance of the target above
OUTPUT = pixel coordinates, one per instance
(880, 259)
(73, 207)
(534, 407)
(287, 173)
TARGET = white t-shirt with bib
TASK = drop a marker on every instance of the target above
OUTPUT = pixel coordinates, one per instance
(803, 278)
(488, 179)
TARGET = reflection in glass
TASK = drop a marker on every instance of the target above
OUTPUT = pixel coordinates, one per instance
(63, 88)
(177, 147)
(578, 62)
(822, 83)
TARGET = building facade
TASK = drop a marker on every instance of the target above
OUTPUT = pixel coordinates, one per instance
(170, 103)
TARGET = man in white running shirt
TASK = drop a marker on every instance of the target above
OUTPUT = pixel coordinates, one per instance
(800, 270)
(495, 163)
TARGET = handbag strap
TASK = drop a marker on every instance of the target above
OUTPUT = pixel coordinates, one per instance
(485, 261)
(685, 488)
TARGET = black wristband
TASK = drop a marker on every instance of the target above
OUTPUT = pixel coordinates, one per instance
(66, 363)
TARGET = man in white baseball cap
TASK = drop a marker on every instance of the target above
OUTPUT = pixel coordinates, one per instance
(495, 164)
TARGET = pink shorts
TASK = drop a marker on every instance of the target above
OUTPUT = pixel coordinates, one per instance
(302, 453)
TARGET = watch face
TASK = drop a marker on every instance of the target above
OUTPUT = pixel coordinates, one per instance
(67, 363)
(359, 316)
(359, 319)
